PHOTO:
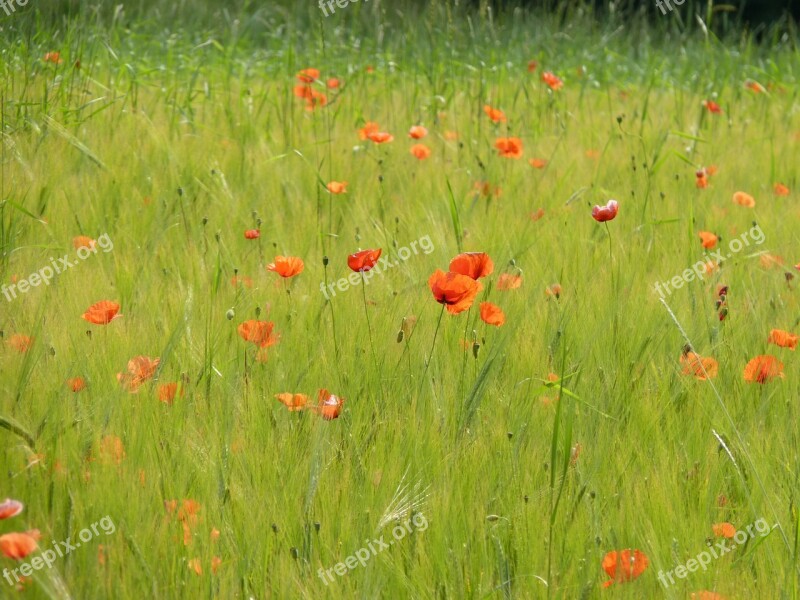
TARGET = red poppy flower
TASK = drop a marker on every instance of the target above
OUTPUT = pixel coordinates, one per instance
(333, 83)
(491, 314)
(780, 189)
(532, 64)
(706, 595)
(286, 266)
(308, 75)
(605, 213)
(712, 107)
(337, 187)
(76, 384)
(701, 367)
(472, 264)
(258, 333)
(456, 291)
(369, 127)
(762, 369)
(167, 392)
(53, 57)
(509, 147)
(83, 241)
(380, 137)
(537, 163)
(20, 343)
(624, 565)
(10, 508)
(364, 261)
(724, 530)
(17, 545)
(102, 313)
(294, 402)
(552, 81)
(495, 114)
(708, 239)
(421, 151)
(330, 406)
(417, 132)
(252, 234)
(506, 281)
(744, 199)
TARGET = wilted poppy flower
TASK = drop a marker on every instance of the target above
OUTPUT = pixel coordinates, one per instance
(252, 234)
(330, 406)
(701, 367)
(491, 314)
(784, 339)
(333, 83)
(337, 187)
(708, 239)
(780, 189)
(380, 137)
(551, 80)
(712, 107)
(83, 241)
(369, 127)
(139, 370)
(495, 114)
(762, 369)
(308, 75)
(364, 261)
(417, 132)
(724, 530)
(294, 402)
(605, 213)
(10, 508)
(286, 266)
(454, 290)
(17, 545)
(506, 281)
(509, 147)
(744, 199)
(421, 151)
(53, 57)
(76, 384)
(624, 565)
(472, 264)
(20, 343)
(167, 392)
(102, 313)
(537, 163)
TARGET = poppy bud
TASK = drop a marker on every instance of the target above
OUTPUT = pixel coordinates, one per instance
(325, 261)
(525, 497)
(510, 434)
(400, 336)
(230, 314)
(89, 333)
(205, 220)
(218, 235)
(180, 191)
(294, 552)
(317, 525)
(258, 311)
(475, 348)
(275, 528)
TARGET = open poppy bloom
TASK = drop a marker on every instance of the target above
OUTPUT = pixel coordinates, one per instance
(421, 151)
(706, 595)
(701, 367)
(330, 406)
(454, 290)
(532, 64)
(286, 266)
(605, 213)
(708, 239)
(252, 234)
(369, 127)
(139, 370)
(20, 343)
(744, 199)
(780, 189)
(754, 86)
(782, 338)
(337, 187)
(258, 333)
(10, 508)
(102, 313)
(495, 114)
(363, 261)
(417, 132)
(553, 290)
(762, 369)
(333, 83)
(506, 281)
(168, 391)
(491, 314)
(308, 75)
(509, 147)
(17, 545)
(472, 264)
(380, 137)
(724, 530)
(53, 57)
(702, 179)
(76, 384)
(294, 402)
(537, 163)
(624, 565)
(712, 107)
(83, 241)
(552, 81)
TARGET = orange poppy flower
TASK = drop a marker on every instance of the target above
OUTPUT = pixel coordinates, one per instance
(784, 339)
(252, 234)
(708, 239)
(330, 406)
(491, 314)
(454, 290)
(712, 107)
(243, 279)
(83, 241)
(509, 147)
(507, 281)
(369, 127)
(294, 402)
(754, 86)
(551, 80)
(216, 561)
(53, 57)
(536, 215)
(10, 508)
(553, 290)
(701, 367)
(780, 189)
(286, 266)
(364, 261)
(102, 313)
(624, 565)
(421, 151)
(744, 199)
(315, 99)
(20, 343)
(167, 392)
(76, 384)
(302, 91)
(258, 333)
(380, 137)
(17, 546)
(308, 75)
(711, 170)
(762, 369)
(702, 180)
(532, 64)
(768, 261)
(139, 370)
(605, 213)
(417, 132)
(333, 83)
(495, 114)
(337, 187)
(537, 163)
(472, 264)
(706, 595)
(725, 530)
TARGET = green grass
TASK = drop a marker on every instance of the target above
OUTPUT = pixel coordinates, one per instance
(173, 142)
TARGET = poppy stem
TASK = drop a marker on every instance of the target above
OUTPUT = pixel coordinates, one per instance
(369, 327)
(433, 345)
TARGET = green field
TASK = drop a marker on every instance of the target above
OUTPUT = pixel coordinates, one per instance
(512, 458)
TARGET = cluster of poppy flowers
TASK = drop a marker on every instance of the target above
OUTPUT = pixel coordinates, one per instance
(305, 90)
(456, 290)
